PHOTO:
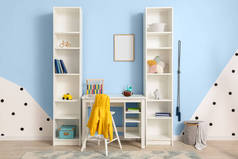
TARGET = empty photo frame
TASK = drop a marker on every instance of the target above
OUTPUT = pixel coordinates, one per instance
(124, 47)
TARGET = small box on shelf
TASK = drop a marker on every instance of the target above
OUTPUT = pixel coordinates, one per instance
(67, 132)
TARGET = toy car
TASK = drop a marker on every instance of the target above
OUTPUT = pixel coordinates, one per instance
(67, 97)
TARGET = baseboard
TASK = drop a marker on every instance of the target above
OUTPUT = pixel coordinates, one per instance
(17, 138)
(220, 138)
(177, 138)
(49, 138)
(210, 138)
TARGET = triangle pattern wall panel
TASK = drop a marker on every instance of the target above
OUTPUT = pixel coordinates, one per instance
(21, 117)
(219, 108)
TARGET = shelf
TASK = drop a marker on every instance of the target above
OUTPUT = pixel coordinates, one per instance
(67, 116)
(159, 137)
(65, 51)
(159, 118)
(160, 48)
(67, 19)
(133, 112)
(159, 100)
(74, 141)
(66, 74)
(66, 101)
(159, 74)
(67, 33)
(132, 134)
(70, 48)
(67, 28)
(160, 43)
(132, 120)
(159, 33)
(66, 84)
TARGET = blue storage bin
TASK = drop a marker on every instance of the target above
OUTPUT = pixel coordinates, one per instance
(67, 131)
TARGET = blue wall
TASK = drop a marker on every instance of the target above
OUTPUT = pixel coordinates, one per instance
(208, 30)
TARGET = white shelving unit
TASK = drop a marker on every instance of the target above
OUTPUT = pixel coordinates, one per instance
(67, 26)
(159, 130)
(132, 123)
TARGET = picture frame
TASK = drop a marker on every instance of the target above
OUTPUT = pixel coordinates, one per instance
(124, 47)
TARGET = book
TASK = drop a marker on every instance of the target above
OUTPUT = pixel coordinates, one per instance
(133, 109)
(162, 114)
(61, 69)
(56, 66)
(63, 66)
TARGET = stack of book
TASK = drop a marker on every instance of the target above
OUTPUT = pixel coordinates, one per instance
(162, 114)
(60, 66)
(134, 110)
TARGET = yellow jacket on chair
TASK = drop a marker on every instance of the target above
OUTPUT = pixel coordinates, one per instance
(100, 119)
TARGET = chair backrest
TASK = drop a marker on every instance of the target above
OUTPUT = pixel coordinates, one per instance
(92, 97)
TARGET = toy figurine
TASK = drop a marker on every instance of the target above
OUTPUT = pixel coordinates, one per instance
(67, 97)
(156, 94)
(129, 88)
(64, 44)
(128, 91)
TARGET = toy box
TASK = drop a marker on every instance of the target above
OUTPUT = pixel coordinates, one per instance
(67, 131)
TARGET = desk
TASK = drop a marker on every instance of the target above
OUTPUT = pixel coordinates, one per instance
(120, 100)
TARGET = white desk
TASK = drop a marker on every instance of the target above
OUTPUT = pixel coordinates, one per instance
(120, 100)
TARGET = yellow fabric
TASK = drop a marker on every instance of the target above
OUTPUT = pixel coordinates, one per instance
(100, 119)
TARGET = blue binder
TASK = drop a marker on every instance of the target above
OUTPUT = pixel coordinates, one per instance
(56, 67)
(63, 66)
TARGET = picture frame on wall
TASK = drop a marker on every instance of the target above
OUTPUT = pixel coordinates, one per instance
(124, 47)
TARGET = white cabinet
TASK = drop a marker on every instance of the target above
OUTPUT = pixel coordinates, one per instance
(67, 28)
(158, 42)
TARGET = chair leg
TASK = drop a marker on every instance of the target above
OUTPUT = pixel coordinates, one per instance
(84, 145)
(106, 149)
(85, 141)
(115, 128)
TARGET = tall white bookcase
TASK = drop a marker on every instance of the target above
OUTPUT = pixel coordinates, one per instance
(67, 27)
(159, 130)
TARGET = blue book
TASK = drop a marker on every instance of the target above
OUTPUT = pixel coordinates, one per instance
(161, 113)
(56, 66)
(63, 66)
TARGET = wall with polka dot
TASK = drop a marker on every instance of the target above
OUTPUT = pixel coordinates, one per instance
(21, 117)
(220, 105)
